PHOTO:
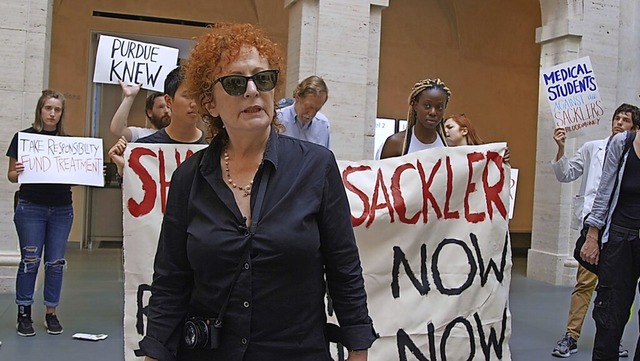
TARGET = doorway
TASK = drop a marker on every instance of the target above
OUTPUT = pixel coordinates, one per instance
(103, 221)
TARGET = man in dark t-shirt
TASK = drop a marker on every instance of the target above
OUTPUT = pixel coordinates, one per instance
(161, 136)
(184, 120)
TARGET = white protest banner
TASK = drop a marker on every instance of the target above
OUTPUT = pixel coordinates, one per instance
(432, 233)
(146, 180)
(133, 62)
(573, 96)
(62, 160)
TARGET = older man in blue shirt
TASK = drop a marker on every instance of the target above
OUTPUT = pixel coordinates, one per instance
(303, 119)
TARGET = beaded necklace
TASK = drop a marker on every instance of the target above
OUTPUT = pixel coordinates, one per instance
(245, 189)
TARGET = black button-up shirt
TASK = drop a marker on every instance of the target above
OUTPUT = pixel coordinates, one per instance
(304, 235)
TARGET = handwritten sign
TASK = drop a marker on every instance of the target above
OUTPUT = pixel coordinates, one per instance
(573, 96)
(512, 191)
(432, 234)
(62, 160)
(431, 228)
(133, 62)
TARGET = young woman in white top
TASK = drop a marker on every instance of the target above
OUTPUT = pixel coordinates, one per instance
(427, 102)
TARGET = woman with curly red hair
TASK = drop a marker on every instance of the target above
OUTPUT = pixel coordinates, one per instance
(257, 226)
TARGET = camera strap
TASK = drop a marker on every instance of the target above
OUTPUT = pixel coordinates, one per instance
(255, 218)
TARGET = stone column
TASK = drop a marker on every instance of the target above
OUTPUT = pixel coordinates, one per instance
(628, 79)
(572, 29)
(339, 40)
(24, 73)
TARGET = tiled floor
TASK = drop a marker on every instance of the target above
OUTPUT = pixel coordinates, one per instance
(92, 302)
(539, 316)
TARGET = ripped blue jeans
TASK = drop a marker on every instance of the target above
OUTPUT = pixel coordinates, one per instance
(41, 228)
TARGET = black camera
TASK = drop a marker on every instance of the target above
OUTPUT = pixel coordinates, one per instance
(202, 333)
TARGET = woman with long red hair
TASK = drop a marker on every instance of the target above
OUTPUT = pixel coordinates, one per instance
(458, 130)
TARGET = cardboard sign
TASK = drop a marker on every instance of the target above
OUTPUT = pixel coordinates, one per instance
(512, 191)
(62, 160)
(432, 234)
(133, 62)
(573, 96)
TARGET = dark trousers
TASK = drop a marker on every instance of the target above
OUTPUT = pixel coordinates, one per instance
(618, 272)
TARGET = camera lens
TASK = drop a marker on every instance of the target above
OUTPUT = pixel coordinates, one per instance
(196, 334)
(189, 334)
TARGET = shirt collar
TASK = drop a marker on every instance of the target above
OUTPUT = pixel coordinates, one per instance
(302, 125)
(271, 153)
(297, 121)
(209, 162)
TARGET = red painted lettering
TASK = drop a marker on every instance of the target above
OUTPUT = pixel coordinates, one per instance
(493, 192)
(427, 196)
(374, 200)
(471, 187)
(148, 184)
(362, 195)
(398, 201)
(448, 214)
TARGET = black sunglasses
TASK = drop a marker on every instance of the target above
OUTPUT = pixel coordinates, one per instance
(236, 85)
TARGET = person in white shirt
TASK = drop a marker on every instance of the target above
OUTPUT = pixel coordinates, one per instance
(156, 110)
(303, 119)
(587, 162)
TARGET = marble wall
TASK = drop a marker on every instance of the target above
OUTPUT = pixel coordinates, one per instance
(25, 42)
(339, 40)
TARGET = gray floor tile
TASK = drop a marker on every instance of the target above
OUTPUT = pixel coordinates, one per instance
(92, 302)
